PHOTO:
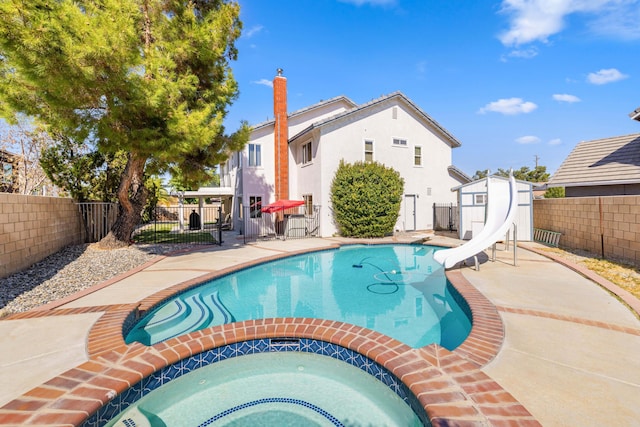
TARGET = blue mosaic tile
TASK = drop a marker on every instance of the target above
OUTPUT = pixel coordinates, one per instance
(268, 400)
(244, 348)
(226, 352)
(193, 363)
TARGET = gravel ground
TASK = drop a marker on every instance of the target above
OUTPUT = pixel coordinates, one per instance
(71, 270)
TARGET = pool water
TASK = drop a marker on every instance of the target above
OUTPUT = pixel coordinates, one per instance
(397, 290)
(271, 389)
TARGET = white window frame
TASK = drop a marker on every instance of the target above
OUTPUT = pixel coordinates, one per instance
(255, 155)
(368, 141)
(399, 142)
(417, 156)
(480, 199)
(306, 153)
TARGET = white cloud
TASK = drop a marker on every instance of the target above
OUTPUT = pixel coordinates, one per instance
(524, 53)
(253, 31)
(536, 20)
(605, 76)
(510, 106)
(619, 20)
(528, 139)
(565, 97)
(263, 82)
(371, 2)
(555, 141)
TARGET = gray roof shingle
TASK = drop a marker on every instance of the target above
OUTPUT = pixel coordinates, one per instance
(607, 161)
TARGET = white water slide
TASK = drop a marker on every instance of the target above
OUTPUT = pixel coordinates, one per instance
(502, 205)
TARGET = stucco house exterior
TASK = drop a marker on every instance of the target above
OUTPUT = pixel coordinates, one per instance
(295, 156)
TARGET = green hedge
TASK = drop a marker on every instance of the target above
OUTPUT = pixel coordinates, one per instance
(366, 199)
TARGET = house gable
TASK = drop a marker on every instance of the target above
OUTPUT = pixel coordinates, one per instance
(396, 99)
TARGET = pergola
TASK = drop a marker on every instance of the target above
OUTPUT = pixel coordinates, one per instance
(220, 193)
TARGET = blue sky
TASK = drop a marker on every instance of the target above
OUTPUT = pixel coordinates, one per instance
(511, 79)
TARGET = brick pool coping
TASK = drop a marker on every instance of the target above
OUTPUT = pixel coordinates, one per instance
(448, 384)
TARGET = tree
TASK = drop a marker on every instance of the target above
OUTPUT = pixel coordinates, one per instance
(366, 199)
(149, 78)
(480, 174)
(554, 193)
(539, 174)
(82, 172)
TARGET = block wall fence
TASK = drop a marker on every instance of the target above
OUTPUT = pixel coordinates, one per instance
(33, 227)
(595, 224)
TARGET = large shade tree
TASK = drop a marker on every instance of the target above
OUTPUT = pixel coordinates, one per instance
(147, 77)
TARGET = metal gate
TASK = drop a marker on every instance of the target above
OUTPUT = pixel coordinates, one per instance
(445, 216)
(192, 224)
(291, 223)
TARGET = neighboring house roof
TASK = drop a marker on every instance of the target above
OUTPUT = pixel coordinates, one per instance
(320, 104)
(396, 95)
(635, 114)
(605, 161)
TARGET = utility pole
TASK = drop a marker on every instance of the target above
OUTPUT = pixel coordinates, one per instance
(537, 158)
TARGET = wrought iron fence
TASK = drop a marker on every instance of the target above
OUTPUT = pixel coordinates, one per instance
(445, 216)
(284, 224)
(182, 224)
(167, 224)
(202, 224)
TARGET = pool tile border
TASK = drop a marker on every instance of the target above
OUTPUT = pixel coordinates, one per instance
(450, 386)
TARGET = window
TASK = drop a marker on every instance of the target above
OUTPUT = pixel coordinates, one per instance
(306, 153)
(255, 206)
(400, 142)
(417, 156)
(480, 199)
(7, 173)
(308, 203)
(255, 156)
(368, 151)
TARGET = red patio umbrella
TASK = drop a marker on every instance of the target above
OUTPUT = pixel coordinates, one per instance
(281, 205)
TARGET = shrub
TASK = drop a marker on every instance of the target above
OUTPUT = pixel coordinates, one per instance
(554, 193)
(366, 199)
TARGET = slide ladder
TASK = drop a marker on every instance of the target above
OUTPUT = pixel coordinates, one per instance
(502, 206)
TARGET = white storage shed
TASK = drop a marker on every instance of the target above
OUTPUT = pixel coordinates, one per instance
(472, 200)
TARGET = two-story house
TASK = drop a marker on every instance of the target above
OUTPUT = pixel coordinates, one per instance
(295, 156)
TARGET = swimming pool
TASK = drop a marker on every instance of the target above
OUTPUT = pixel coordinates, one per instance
(282, 388)
(397, 290)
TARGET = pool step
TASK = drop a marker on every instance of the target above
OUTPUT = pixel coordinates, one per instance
(186, 314)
